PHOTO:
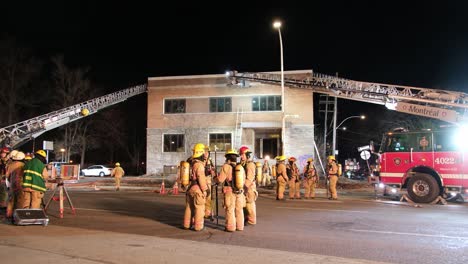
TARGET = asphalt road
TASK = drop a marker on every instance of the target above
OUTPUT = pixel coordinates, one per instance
(354, 228)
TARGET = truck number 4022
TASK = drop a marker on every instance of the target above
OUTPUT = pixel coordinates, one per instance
(445, 160)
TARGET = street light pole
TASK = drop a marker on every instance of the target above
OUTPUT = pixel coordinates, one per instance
(335, 127)
(277, 25)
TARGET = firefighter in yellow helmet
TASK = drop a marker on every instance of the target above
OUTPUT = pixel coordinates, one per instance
(34, 178)
(117, 173)
(294, 181)
(332, 170)
(233, 190)
(210, 172)
(266, 172)
(196, 191)
(250, 188)
(281, 177)
(310, 179)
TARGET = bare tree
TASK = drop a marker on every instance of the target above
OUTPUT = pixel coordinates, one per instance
(18, 71)
(71, 87)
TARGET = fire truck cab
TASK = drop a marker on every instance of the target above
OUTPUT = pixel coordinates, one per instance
(427, 163)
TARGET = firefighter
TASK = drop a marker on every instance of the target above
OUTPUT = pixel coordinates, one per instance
(332, 169)
(15, 177)
(250, 189)
(4, 157)
(234, 198)
(34, 178)
(210, 172)
(197, 191)
(310, 179)
(281, 177)
(266, 170)
(117, 173)
(294, 181)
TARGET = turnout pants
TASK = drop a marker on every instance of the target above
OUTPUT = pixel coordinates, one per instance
(194, 208)
(294, 188)
(333, 181)
(234, 205)
(250, 206)
(30, 199)
(309, 188)
(280, 187)
(208, 208)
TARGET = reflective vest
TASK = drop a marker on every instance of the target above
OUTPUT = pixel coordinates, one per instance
(32, 177)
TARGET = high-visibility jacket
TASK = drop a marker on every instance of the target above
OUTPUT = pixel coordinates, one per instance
(32, 177)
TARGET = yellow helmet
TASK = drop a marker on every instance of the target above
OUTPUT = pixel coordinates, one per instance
(232, 152)
(198, 150)
(42, 153)
(28, 156)
(117, 164)
(310, 159)
(331, 157)
(281, 158)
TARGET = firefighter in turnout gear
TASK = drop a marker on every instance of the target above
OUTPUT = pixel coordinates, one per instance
(332, 169)
(250, 189)
(117, 173)
(4, 158)
(266, 171)
(196, 191)
(34, 178)
(294, 181)
(281, 177)
(15, 177)
(310, 179)
(210, 172)
(233, 190)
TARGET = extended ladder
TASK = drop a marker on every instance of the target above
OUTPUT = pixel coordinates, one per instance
(18, 133)
(383, 94)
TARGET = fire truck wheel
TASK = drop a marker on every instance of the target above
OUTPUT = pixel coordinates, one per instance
(423, 188)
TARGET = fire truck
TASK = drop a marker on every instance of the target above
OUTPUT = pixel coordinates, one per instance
(428, 164)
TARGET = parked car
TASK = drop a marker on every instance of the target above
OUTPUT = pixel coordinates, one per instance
(96, 170)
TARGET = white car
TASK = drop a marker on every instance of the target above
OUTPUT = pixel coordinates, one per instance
(96, 170)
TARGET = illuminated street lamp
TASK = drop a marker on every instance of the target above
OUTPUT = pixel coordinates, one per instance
(335, 128)
(63, 153)
(277, 25)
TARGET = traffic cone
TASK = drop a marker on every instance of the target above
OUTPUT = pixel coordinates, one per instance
(175, 189)
(163, 189)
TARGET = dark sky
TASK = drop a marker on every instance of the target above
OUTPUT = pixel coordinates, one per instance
(419, 43)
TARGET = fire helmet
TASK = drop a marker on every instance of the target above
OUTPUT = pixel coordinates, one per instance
(117, 164)
(331, 157)
(41, 153)
(198, 150)
(244, 150)
(281, 158)
(293, 159)
(232, 152)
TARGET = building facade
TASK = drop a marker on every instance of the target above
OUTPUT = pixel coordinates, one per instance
(185, 110)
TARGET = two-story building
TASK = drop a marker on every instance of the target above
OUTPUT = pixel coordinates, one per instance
(185, 110)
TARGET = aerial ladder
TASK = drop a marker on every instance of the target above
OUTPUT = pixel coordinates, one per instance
(19, 133)
(450, 106)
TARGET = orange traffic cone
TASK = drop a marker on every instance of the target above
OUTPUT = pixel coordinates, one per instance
(163, 189)
(175, 189)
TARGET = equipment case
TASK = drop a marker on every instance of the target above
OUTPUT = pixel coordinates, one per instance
(30, 217)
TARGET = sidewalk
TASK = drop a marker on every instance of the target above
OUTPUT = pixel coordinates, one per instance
(55, 244)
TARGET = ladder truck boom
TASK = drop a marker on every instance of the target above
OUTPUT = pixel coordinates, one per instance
(16, 134)
(450, 106)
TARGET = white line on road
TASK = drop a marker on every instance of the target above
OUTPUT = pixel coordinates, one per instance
(100, 210)
(318, 209)
(407, 234)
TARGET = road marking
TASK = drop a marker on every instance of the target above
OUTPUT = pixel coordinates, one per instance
(318, 209)
(407, 234)
(101, 210)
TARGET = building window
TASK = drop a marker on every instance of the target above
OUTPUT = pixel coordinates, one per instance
(174, 106)
(266, 103)
(220, 104)
(174, 143)
(221, 141)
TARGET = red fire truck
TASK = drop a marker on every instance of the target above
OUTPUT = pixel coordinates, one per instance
(426, 163)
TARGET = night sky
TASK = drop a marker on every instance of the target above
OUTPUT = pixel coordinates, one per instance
(418, 43)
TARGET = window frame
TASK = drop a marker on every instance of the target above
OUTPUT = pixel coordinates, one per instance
(218, 144)
(215, 101)
(178, 144)
(173, 109)
(266, 103)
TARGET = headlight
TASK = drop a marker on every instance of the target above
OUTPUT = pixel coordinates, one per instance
(381, 185)
(394, 190)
